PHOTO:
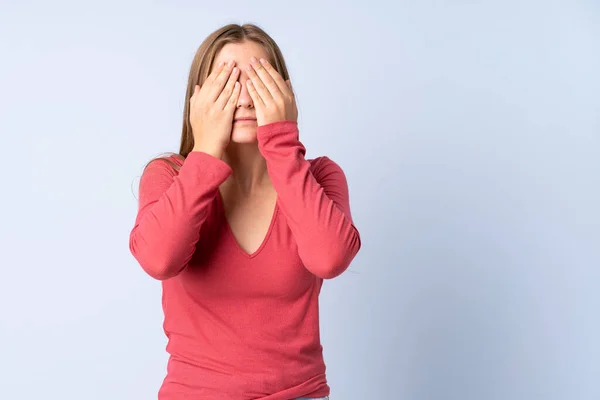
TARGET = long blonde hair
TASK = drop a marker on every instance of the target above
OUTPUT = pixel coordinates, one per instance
(203, 63)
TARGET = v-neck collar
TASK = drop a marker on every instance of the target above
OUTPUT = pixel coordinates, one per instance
(230, 233)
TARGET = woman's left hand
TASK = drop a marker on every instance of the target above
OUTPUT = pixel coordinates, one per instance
(273, 97)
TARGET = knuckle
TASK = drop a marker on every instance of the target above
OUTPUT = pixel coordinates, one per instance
(221, 76)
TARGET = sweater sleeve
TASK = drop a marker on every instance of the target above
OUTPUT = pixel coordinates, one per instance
(172, 209)
(315, 202)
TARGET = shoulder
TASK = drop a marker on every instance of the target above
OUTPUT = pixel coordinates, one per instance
(323, 163)
(166, 165)
(158, 175)
(324, 168)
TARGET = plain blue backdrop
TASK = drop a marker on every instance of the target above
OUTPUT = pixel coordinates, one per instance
(469, 132)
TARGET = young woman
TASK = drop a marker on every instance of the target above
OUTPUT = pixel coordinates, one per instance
(242, 229)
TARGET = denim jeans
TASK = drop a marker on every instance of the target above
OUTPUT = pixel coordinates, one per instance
(307, 398)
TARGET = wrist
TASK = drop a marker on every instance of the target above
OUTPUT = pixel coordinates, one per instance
(215, 154)
(210, 150)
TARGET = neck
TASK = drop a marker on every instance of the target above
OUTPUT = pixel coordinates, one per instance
(248, 165)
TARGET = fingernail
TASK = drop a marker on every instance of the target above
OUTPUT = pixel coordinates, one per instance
(253, 59)
(235, 70)
(230, 63)
(262, 61)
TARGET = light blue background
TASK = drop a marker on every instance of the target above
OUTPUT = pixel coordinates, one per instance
(470, 135)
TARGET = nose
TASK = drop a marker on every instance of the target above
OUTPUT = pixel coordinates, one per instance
(244, 100)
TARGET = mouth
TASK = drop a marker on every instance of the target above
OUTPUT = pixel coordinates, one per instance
(244, 120)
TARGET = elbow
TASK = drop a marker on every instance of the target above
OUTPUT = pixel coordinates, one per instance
(334, 262)
(331, 266)
(154, 265)
(159, 270)
(330, 272)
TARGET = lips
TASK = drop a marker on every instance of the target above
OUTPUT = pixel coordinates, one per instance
(245, 119)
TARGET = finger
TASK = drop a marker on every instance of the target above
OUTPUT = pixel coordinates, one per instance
(267, 77)
(256, 99)
(219, 80)
(291, 93)
(276, 76)
(212, 76)
(228, 90)
(216, 87)
(259, 85)
(235, 95)
(193, 96)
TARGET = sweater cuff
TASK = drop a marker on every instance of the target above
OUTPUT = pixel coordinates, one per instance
(275, 128)
(210, 165)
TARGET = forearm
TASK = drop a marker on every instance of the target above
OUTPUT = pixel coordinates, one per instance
(326, 237)
(167, 226)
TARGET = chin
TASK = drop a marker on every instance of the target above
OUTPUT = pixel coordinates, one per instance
(244, 135)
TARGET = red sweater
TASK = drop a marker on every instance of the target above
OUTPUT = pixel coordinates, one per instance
(243, 326)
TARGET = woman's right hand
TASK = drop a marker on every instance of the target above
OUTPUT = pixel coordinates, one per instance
(212, 108)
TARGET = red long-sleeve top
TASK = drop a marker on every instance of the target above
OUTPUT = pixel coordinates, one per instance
(239, 325)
